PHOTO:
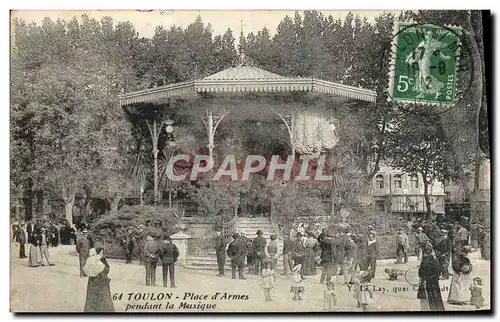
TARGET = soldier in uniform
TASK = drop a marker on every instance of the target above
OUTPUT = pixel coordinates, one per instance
(150, 257)
(220, 251)
(258, 247)
(236, 252)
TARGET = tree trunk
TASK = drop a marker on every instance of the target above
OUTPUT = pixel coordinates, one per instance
(426, 197)
(87, 203)
(39, 203)
(170, 199)
(68, 207)
(113, 204)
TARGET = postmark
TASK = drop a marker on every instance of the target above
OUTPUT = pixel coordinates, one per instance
(425, 67)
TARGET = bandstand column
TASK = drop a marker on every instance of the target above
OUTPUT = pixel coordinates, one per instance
(212, 122)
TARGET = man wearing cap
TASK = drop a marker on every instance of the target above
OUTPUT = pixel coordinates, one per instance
(287, 258)
(402, 246)
(258, 247)
(271, 251)
(150, 258)
(220, 251)
(168, 255)
(235, 252)
(83, 246)
(422, 240)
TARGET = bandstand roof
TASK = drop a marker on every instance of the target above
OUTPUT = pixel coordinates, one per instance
(246, 79)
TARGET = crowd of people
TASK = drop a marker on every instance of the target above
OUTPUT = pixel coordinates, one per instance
(344, 253)
(338, 251)
(39, 236)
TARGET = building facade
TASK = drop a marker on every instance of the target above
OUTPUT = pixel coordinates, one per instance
(393, 191)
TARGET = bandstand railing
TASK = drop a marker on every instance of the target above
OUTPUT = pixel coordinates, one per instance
(229, 227)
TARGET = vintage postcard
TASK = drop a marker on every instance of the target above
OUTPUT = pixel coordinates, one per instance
(250, 161)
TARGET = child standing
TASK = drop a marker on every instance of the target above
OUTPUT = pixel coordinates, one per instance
(297, 284)
(267, 281)
(363, 291)
(329, 297)
(476, 291)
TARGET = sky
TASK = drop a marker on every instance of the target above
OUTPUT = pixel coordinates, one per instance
(221, 20)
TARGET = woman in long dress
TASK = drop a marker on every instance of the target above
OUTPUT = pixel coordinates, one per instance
(429, 291)
(98, 291)
(35, 258)
(311, 245)
(461, 279)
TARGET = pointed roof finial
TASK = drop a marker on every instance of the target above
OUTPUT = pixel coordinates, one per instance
(242, 60)
(241, 34)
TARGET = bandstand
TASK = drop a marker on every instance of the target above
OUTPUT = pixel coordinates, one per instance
(303, 107)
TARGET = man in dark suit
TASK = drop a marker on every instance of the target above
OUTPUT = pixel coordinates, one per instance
(220, 252)
(287, 258)
(258, 246)
(128, 244)
(22, 241)
(150, 258)
(247, 244)
(83, 246)
(168, 255)
(236, 252)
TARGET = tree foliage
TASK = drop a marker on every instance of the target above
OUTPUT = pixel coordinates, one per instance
(68, 133)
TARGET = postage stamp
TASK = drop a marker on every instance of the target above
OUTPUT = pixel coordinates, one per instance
(424, 64)
(246, 161)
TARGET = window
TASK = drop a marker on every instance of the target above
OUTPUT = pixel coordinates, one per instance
(380, 205)
(379, 181)
(397, 181)
(414, 182)
(448, 196)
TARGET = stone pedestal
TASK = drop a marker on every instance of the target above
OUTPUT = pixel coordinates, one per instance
(181, 240)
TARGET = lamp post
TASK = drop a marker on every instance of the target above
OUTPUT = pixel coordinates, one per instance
(155, 131)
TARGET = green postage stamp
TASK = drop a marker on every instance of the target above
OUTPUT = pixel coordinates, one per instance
(424, 64)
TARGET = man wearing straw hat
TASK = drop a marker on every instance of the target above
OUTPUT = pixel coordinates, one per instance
(83, 247)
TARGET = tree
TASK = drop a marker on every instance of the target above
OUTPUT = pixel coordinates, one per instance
(418, 145)
(67, 79)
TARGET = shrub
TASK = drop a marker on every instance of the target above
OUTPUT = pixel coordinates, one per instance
(111, 228)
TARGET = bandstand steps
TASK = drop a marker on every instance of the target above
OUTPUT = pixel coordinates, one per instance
(250, 226)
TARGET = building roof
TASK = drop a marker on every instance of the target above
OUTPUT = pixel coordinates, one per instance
(243, 72)
(246, 79)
